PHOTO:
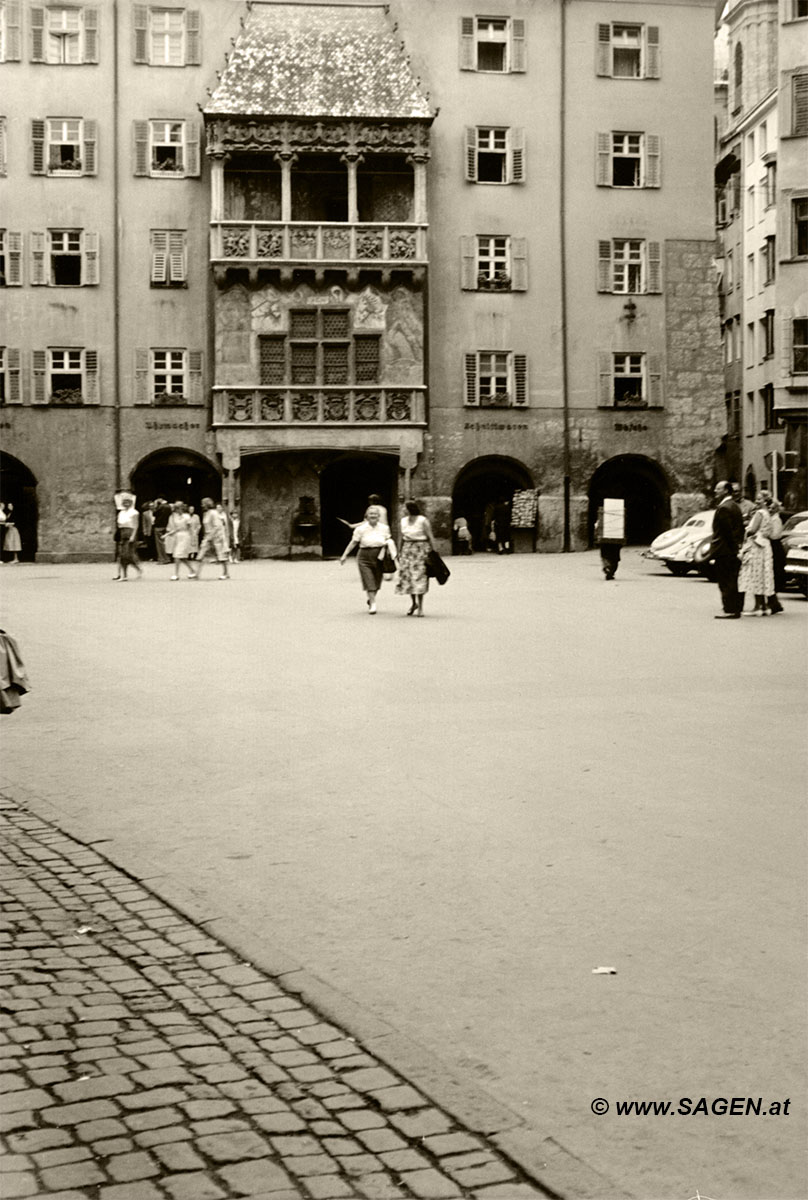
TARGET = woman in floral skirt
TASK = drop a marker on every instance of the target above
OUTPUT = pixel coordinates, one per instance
(415, 543)
(757, 571)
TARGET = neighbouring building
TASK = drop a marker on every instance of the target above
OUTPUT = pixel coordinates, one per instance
(290, 254)
(762, 216)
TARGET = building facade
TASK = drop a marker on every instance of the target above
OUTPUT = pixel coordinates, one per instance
(762, 211)
(292, 254)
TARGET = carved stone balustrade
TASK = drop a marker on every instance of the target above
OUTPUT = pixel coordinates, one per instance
(263, 244)
(315, 405)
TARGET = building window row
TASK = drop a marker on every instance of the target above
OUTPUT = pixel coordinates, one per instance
(68, 34)
(70, 375)
(71, 258)
(67, 147)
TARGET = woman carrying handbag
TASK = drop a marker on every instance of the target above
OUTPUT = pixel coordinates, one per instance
(415, 543)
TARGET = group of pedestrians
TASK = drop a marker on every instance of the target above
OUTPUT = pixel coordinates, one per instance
(377, 552)
(175, 530)
(747, 552)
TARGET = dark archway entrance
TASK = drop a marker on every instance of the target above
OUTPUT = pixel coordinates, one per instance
(345, 485)
(480, 485)
(175, 474)
(642, 483)
(18, 488)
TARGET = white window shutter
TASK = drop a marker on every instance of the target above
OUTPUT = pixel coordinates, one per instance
(142, 377)
(470, 379)
(604, 266)
(39, 369)
(655, 398)
(140, 32)
(603, 50)
(3, 146)
(195, 377)
(652, 52)
(193, 37)
(468, 57)
(36, 16)
(654, 277)
(13, 259)
(13, 31)
(14, 376)
(521, 395)
(140, 131)
(603, 160)
(518, 264)
(159, 256)
(192, 161)
(786, 342)
(518, 45)
(605, 388)
(653, 160)
(90, 265)
(177, 256)
(38, 147)
(90, 35)
(470, 150)
(468, 264)
(92, 390)
(39, 272)
(90, 137)
(516, 155)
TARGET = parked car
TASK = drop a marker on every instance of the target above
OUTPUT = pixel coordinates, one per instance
(686, 547)
(795, 544)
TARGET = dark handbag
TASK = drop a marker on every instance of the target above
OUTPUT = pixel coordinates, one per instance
(436, 568)
(388, 563)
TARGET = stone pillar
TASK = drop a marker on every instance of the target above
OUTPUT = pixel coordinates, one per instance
(286, 159)
(418, 162)
(217, 162)
(352, 161)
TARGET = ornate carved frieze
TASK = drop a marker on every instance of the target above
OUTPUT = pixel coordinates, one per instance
(351, 138)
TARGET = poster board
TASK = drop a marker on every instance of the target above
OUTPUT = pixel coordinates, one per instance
(614, 520)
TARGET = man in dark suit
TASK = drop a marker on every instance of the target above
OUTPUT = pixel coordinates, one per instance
(728, 531)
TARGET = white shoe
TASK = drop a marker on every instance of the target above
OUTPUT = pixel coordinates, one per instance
(371, 608)
(175, 576)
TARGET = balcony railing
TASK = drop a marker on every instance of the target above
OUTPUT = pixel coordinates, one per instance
(306, 241)
(319, 406)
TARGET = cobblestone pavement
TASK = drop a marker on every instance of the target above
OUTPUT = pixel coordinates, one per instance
(143, 1061)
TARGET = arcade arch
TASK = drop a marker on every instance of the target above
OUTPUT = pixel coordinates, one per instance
(480, 484)
(644, 486)
(18, 487)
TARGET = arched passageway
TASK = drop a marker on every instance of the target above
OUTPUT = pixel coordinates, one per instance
(18, 490)
(175, 474)
(345, 485)
(643, 485)
(479, 486)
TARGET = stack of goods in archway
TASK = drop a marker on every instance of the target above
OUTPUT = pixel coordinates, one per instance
(524, 508)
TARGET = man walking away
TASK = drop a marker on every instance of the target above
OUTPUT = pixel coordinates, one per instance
(728, 532)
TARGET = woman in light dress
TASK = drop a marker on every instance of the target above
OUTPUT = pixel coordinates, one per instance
(11, 542)
(371, 536)
(416, 541)
(128, 520)
(179, 539)
(757, 570)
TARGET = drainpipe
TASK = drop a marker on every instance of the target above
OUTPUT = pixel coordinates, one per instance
(563, 266)
(116, 274)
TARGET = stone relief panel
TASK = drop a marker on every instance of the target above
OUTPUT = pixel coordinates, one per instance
(370, 313)
(232, 337)
(403, 342)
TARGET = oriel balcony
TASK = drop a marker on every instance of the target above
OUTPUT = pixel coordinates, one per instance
(253, 244)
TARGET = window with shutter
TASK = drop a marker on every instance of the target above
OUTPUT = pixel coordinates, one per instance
(38, 268)
(604, 266)
(177, 256)
(90, 140)
(91, 265)
(3, 146)
(654, 268)
(516, 139)
(13, 393)
(10, 258)
(142, 376)
(140, 33)
(65, 383)
(494, 45)
(470, 151)
(518, 45)
(193, 38)
(159, 257)
(168, 258)
(39, 369)
(519, 264)
(470, 379)
(624, 51)
(92, 391)
(90, 48)
(37, 147)
(655, 397)
(140, 131)
(468, 56)
(195, 395)
(520, 391)
(493, 269)
(169, 385)
(468, 263)
(10, 31)
(799, 105)
(36, 21)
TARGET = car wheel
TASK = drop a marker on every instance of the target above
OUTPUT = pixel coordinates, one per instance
(677, 568)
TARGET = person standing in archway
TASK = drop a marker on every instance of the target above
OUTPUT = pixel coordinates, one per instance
(728, 535)
(11, 543)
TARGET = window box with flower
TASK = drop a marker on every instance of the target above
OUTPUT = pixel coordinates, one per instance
(500, 281)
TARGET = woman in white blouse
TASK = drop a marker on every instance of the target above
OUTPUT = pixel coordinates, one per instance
(371, 536)
(416, 542)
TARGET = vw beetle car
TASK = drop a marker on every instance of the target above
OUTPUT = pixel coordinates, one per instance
(795, 544)
(687, 547)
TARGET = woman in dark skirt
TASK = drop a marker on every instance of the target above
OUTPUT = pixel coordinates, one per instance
(371, 537)
(416, 542)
